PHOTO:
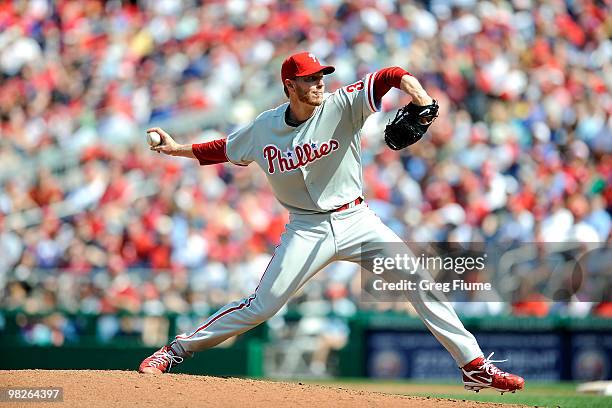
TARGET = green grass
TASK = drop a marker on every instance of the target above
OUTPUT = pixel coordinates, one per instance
(542, 398)
(535, 394)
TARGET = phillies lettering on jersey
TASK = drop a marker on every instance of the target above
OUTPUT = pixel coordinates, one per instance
(304, 154)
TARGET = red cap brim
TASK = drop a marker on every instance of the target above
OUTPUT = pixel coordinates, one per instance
(326, 69)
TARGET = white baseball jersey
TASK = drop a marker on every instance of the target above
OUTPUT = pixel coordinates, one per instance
(316, 166)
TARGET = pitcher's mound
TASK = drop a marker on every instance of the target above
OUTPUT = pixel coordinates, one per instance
(93, 389)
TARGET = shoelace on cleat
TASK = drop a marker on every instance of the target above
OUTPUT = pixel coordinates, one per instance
(487, 365)
(161, 357)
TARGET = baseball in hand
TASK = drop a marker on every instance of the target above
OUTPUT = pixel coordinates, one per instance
(154, 139)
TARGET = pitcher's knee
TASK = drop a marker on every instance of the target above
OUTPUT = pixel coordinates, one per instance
(263, 309)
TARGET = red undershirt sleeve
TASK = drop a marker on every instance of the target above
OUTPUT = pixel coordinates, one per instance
(210, 152)
(386, 79)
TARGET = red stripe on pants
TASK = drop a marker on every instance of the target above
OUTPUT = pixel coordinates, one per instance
(233, 309)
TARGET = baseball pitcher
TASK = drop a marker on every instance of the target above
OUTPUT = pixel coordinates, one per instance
(310, 150)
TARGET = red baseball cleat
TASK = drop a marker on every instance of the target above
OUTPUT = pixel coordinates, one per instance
(160, 362)
(481, 373)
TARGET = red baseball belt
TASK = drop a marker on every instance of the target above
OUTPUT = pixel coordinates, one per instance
(352, 204)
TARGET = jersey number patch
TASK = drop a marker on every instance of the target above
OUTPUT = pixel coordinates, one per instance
(357, 86)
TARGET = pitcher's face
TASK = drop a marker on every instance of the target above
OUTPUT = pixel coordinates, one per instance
(309, 89)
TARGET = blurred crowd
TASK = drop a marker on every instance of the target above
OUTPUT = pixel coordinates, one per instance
(521, 152)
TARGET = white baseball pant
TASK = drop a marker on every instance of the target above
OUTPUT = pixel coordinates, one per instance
(309, 243)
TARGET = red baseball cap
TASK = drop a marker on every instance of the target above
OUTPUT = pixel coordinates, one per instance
(303, 64)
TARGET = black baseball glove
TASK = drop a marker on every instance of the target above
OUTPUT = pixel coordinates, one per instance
(410, 124)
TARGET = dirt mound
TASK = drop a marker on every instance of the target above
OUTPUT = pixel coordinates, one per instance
(129, 389)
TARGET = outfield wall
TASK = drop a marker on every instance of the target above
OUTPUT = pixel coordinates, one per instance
(381, 345)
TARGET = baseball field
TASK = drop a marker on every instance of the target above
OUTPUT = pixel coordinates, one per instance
(98, 388)
(326, 203)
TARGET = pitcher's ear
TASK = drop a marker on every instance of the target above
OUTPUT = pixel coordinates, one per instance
(288, 85)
